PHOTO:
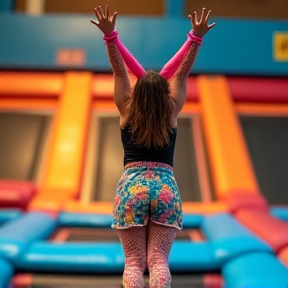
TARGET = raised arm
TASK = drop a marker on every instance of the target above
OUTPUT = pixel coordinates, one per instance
(122, 89)
(178, 68)
(178, 82)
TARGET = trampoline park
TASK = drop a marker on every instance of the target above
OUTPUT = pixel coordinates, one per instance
(61, 155)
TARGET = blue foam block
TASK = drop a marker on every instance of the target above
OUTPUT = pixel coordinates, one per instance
(188, 256)
(73, 257)
(255, 270)
(9, 214)
(280, 212)
(6, 273)
(66, 219)
(192, 220)
(229, 238)
(85, 220)
(109, 257)
(16, 235)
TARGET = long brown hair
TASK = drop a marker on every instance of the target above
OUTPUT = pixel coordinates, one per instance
(150, 111)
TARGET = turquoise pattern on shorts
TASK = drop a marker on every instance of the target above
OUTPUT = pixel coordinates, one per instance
(147, 190)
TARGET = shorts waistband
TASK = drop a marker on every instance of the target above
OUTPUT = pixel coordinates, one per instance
(144, 164)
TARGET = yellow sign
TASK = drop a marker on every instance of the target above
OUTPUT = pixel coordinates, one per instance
(280, 46)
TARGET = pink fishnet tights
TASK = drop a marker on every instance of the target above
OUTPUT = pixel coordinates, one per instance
(134, 245)
(160, 239)
(159, 243)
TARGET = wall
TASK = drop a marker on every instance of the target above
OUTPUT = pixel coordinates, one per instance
(269, 9)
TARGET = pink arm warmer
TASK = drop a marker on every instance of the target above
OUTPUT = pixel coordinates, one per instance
(173, 65)
(168, 71)
(132, 64)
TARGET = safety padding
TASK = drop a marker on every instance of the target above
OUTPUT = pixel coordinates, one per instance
(283, 256)
(73, 257)
(202, 208)
(192, 91)
(192, 220)
(67, 219)
(188, 256)
(103, 87)
(16, 193)
(280, 213)
(241, 199)
(269, 228)
(101, 207)
(6, 273)
(16, 235)
(255, 270)
(31, 84)
(229, 238)
(261, 90)
(230, 160)
(53, 214)
(50, 199)
(9, 214)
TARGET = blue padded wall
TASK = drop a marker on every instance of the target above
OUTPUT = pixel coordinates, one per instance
(6, 6)
(232, 47)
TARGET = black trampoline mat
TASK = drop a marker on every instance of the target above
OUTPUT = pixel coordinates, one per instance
(104, 235)
(267, 141)
(107, 281)
(22, 139)
(185, 234)
(93, 235)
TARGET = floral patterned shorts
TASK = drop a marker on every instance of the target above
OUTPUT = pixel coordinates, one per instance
(147, 191)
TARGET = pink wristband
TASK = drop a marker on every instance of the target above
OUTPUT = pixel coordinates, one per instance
(194, 38)
(111, 37)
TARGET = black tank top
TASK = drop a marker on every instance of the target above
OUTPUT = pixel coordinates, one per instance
(133, 153)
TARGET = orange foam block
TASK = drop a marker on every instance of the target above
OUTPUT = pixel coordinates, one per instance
(69, 138)
(283, 256)
(228, 154)
(92, 207)
(51, 200)
(204, 208)
(31, 84)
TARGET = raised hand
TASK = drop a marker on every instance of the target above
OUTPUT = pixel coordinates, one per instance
(200, 28)
(106, 20)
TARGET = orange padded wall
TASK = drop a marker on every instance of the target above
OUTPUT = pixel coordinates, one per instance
(65, 164)
(230, 162)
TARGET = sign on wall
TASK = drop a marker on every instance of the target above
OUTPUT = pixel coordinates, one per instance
(280, 46)
(71, 57)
